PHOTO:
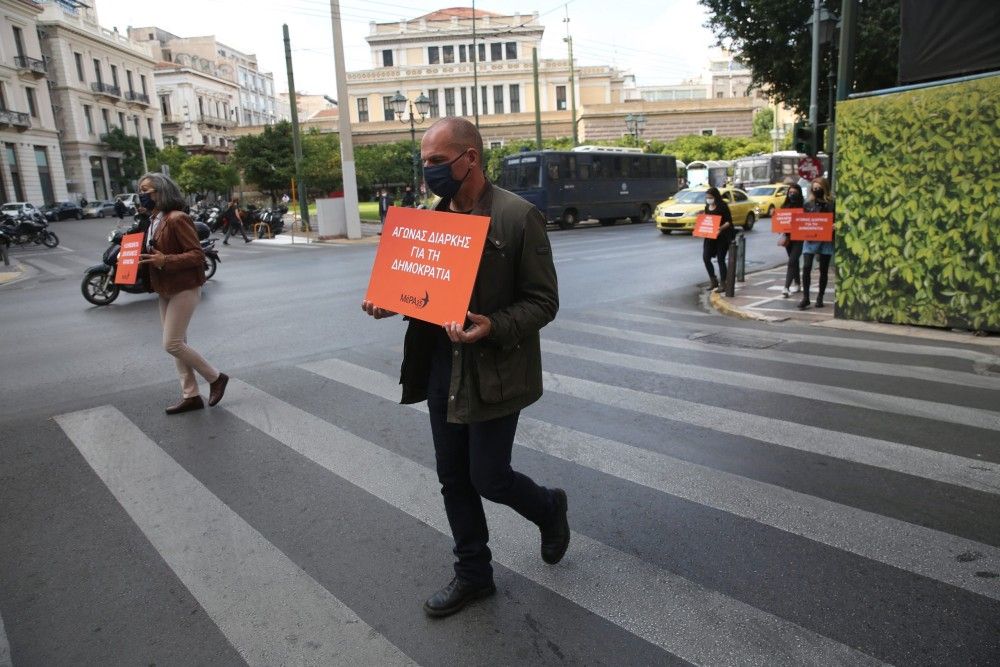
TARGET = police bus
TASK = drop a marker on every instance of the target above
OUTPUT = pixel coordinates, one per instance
(599, 182)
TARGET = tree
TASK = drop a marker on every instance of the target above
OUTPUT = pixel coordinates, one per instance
(128, 145)
(773, 39)
(267, 159)
(321, 167)
(763, 123)
(203, 173)
(380, 165)
(173, 156)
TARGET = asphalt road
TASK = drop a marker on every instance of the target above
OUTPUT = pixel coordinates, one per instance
(740, 493)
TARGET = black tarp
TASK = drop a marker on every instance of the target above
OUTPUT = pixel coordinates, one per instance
(940, 39)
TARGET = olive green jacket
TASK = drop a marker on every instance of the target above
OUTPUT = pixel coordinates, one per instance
(516, 288)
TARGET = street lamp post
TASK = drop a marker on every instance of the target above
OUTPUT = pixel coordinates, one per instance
(635, 124)
(400, 105)
(142, 146)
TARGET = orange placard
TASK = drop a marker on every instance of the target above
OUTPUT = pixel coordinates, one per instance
(426, 263)
(781, 221)
(707, 226)
(128, 259)
(812, 227)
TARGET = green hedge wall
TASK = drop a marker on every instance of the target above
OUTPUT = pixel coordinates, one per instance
(918, 211)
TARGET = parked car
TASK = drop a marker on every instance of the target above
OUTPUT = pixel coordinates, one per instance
(61, 210)
(21, 209)
(99, 209)
(679, 212)
(131, 201)
(768, 197)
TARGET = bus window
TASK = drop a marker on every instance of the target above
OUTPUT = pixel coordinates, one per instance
(598, 168)
(621, 167)
(640, 166)
(553, 168)
(568, 165)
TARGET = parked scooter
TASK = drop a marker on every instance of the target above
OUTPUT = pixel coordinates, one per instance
(98, 286)
(23, 231)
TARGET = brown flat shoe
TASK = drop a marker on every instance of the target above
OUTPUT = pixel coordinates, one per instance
(217, 389)
(186, 405)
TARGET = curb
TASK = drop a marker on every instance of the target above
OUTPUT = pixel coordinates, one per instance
(720, 303)
(13, 273)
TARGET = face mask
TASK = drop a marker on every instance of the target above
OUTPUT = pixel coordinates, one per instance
(710, 201)
(146, 201)
(818, 193)
(440, 181)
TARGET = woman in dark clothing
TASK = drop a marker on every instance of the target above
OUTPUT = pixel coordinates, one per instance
(719, 246)
(820, 201)
(234, 222)
(793, 199)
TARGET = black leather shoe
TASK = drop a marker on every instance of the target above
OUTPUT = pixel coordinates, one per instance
(804, 303)
(555, 535)
(186, 405)
(453, 597)
(819, 302)
(217, 389)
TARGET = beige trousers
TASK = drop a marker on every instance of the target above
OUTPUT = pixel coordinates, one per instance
(175, 315)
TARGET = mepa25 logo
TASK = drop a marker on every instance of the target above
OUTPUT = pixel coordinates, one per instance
(416, 300)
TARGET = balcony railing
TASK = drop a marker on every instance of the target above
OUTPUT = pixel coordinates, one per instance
(15, 119)
(106, 89)
(133, 96)
(217, 121)
(35, 65)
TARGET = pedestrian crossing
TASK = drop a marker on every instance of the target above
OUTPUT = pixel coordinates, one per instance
(696, 557)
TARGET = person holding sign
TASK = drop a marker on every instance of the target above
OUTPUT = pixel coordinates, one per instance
(477, 375)
(820, 201)
(793, 274)
(177, 272)
(718, 247)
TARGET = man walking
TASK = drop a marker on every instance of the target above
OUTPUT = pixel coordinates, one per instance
(232, 218)
(119, 209)
(478, 375)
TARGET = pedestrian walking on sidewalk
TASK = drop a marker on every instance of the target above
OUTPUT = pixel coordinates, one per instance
(793, 199)
(176, 273)
(820, 201)
(718, 247)
(478, 375)
(233, 219)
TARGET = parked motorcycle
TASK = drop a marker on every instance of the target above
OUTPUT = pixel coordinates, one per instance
(23, 230)
(99, 287)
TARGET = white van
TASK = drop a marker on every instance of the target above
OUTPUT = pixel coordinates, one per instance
(130, 199)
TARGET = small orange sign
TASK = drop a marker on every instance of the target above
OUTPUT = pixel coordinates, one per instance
(707, 226)
(426, 263)
(812, 227)
(127, 270)
(781, 221)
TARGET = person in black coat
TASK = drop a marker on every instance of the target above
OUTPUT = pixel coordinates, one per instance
(793, 199)
(119, 209)
(409, 198)
(718, 247)
(383, 205)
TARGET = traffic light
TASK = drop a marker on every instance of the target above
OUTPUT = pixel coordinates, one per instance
(802, 137)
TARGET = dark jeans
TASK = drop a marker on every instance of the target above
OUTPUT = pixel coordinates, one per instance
(231, 231)
(715, 249)
(793, 274)
(824, 272)
(473, 462)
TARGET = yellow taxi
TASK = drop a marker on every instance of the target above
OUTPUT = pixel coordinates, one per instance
(679, 212)
(768, 197)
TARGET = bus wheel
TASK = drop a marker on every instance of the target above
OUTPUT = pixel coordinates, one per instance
(607, 222)
(748, 225)
(645, 215)
(568, 219)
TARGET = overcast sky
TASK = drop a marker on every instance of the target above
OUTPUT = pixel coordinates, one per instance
(660, 41)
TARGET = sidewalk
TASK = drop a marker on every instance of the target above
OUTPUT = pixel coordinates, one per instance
(10, 273)
(759, 298)
(369, 236)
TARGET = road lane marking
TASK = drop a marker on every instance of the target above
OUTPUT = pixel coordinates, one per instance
(925, 373)
(270, 610)
(5, 659)
(683, 618)
(924, 551)
(901, 405)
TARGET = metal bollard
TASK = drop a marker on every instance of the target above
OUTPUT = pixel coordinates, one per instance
(741, 258)
(731, 269)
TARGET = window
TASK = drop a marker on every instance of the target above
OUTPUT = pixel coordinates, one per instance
(719, 94)
(142, 81)
(484, 97)
(106, 117)
(204, 139)
(433, 55)
(121, 122)
(560, 98)
(499, 144)
(739, 196)
(87, 117)
(433, 95)
(15, 171)
(707, 133)
(165, 107)
(97, 71)
(465, 105)
(44, 176)
(201, 106)
(448, 54)
(128, 78)
(386, 57)
(97, 177)
(362, 109)
(515, 98)
(387, 113)
(482, 52)
(496, 51)
(79, 66)
(461, 53)
(32, 104)
(449, 101)
(149, 128)
(18, 41)
(497, 99)
(114, 76)
(511, 48)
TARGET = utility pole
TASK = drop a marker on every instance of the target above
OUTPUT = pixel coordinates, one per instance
(538, 101)
(142, 147)
(845, 69)
(572, 78)
(296, 145)
(350, 174)
(814, 77)
(475, 68)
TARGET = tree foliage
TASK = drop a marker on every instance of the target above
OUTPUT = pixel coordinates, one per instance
(321, 168)
(763, 123)
(128, 145)
(173, 156)
(380, 165)
(203, 173)
(267, 159)
(774, 41)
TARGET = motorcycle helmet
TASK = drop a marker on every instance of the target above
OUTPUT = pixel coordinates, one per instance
(203, 230)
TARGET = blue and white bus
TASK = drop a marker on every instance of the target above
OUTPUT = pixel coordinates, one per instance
(591, 182)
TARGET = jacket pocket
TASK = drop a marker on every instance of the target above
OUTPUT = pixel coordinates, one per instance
(502, 374)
